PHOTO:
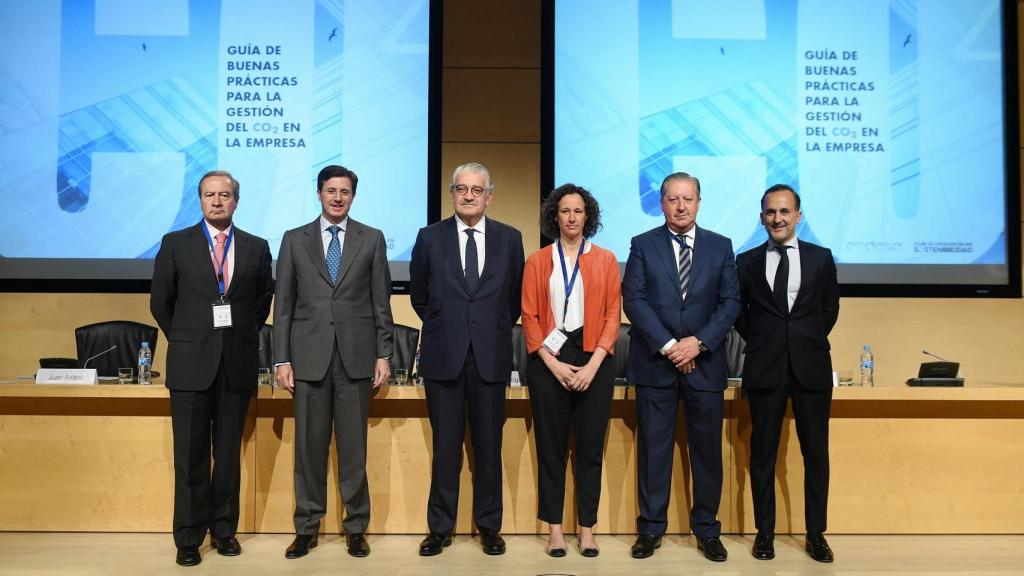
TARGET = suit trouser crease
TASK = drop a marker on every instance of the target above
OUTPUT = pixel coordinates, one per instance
(449, 402)
(339, 399)
(657, 410)
(556, 411)
(811, 411)
(206, 492)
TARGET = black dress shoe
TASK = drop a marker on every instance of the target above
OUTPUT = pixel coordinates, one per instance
(818, 548)
(188, 556)
(645, 545)
(587, 552)
(492, 542)
(764, 546)
(226, 546)
(434, 544)
(300, 546)
(357, 545)
(712, 548)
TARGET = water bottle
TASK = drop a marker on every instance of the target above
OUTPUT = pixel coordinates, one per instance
(145, 364)
(867, 367)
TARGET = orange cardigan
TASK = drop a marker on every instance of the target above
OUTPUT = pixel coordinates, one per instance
(602, 299)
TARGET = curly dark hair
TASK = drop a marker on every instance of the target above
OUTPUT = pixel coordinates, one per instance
(549, 211)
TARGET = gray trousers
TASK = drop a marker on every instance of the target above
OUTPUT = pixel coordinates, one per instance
(346, 402)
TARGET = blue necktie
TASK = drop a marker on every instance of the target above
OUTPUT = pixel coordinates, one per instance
(684, 264)
(472, 265)
(333, 254)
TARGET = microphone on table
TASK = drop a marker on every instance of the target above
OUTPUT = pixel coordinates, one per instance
(91, 358)
(934, 355)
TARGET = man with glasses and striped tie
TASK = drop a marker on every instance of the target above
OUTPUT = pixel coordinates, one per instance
(681, 294)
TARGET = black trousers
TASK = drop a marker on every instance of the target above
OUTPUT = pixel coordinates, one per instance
(448, 404)
(811, 409)
(205, 501)
(556, 411)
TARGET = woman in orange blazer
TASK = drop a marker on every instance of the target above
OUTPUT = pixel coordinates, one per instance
(570, 372)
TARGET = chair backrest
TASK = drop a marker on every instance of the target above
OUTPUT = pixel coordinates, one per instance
(128, 336)
(734, 346)
(406, 340)
(267, 347)
(519, 356)
(621, 353)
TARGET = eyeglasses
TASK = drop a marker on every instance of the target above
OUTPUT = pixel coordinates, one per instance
(462, 190)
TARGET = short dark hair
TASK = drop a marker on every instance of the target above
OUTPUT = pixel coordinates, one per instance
(683, 177)
(235, 187)
(335, 171)
(781, 188)
(549, 211)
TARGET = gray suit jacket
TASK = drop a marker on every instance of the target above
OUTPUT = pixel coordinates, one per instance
(310, 314)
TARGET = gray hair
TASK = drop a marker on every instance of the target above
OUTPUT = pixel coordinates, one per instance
(681, 177)
(235, 187)
(474, 167)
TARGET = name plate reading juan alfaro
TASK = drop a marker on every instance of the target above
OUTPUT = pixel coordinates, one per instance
(66, 376)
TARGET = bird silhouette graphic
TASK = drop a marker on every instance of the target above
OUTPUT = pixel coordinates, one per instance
(722, 50)
(334, 33)
(144, 47)
(907, 41)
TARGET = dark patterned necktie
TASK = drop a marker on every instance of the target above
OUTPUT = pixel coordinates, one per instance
(334, 254)
(684, 264)
(472, 265)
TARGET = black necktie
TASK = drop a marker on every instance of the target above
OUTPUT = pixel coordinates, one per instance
(780, 290)
(472, 266)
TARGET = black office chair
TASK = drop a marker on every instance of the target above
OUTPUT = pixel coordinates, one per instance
(406, 340)
(519, 355)
(621, 352)
(267, 347)
(94, 339)
(734, 347)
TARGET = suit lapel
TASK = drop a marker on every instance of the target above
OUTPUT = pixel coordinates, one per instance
(698, 258)
(314, 244)
(242, 247)
(353, 241)
(450, 241)
(199, 252)
(492, 247)
(806, 271)
(663, 246)
(758, 265)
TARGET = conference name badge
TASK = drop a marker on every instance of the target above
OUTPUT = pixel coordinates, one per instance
(555, 340)
(221, 314)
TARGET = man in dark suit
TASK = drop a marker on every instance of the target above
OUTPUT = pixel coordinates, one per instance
(466, 280)
(211, 293)
(790, 302)
(332, 341)
(681, 294)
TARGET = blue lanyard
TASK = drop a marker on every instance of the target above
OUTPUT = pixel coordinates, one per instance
(566, 280)
(220, 265)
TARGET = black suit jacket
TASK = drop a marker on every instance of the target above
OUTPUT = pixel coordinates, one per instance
(452, 314)
(801, 336)
(181, 298)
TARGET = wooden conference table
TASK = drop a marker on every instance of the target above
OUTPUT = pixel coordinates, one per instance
(904, 461)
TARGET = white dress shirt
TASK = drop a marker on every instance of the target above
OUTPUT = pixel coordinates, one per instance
(556, 287)
(231, 249)
(325, 235)
(461, 227)
(771, 265)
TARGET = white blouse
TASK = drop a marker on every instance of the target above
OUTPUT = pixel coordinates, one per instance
(574, 313)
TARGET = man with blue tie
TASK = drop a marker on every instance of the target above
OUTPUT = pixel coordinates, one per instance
(681, 294)
(466, 277)
(332, 341)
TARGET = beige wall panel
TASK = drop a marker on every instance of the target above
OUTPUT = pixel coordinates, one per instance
(515, 169)
(110, 473)
(492, 33)
(491, 105)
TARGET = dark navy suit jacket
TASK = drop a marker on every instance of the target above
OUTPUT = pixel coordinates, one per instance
(658, 313)
(453, 315)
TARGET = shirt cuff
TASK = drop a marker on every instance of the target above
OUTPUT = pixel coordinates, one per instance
(665, 347)
(276, 364)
